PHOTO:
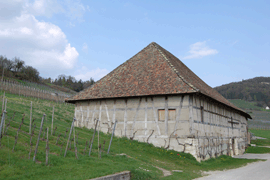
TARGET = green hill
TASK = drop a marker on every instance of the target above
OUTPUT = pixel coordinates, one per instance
(142, 159)
(256, 90)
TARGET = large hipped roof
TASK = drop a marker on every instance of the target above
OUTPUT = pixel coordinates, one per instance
(152, 71)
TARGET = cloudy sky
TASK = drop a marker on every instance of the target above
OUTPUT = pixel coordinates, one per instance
(221, 42)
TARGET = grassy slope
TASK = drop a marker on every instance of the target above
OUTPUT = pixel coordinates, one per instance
(44, 86)
(260, 142)
(245, 104)
(141, 156)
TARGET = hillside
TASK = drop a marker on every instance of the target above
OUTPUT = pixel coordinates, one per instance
(17, 71)
(255, 90)
(41, 86)
(142, 159)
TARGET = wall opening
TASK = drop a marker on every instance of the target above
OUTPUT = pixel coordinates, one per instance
(171, 114)
(202, 120)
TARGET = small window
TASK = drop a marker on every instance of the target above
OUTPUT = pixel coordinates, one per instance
(171, 114)
(202, 113)
(161, 114)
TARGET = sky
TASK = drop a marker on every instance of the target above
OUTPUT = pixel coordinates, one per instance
(220, 41)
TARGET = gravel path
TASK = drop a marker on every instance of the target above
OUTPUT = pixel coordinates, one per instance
(254, 171)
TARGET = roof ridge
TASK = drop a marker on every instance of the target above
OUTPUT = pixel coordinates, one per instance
(174, 69)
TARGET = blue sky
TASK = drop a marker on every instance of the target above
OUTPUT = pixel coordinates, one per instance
(221, 42)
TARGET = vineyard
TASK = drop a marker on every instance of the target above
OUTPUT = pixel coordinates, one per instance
(28, 89)
(49, 148)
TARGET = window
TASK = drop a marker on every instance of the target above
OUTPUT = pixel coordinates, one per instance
(201, 113)
(171, 115)
(161, 114)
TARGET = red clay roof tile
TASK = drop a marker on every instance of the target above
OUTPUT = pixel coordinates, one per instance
(152, 71)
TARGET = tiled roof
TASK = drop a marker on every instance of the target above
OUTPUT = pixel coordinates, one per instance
(152, 71)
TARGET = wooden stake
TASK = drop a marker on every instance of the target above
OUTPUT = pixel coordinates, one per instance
(54, 130)
(66, 133)
(6, 104)
(112, 137)
(41, 125)
(98, 137)
(75, 145)
(5, 133)
(77, 137)
(72, 124)
(30, 119)
(85, 147)
(52, 121)
(103, 145)
(47, 147)
(1, 125)
(44, 134)
(3, 104)
(58, 139)
(16, 137)
(99, 151)
(93, 138)
(31, 144)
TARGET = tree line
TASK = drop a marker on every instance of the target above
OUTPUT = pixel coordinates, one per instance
(256, 89)
(16, 68)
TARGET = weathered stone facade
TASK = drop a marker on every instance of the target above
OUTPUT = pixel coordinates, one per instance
(190, 123)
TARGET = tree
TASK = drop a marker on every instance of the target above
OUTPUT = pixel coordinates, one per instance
(18, 64)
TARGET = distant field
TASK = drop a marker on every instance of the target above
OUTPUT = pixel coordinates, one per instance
(260, 116)
(260, 142)
(245, 104)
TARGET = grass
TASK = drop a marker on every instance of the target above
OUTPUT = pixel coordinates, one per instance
(257, 150)
(46, 86)
(141, 158)
(245, 104)
(260, 142)
(261, 133)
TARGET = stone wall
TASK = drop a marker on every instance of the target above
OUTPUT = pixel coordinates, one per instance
(188, 123)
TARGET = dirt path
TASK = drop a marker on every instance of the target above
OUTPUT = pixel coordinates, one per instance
(258, 170)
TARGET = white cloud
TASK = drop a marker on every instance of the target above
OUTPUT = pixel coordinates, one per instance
(85, 74)
(42, 45)
(10, 8)
(44, 8)
(199, 50)
(85, 48)
(73, 9)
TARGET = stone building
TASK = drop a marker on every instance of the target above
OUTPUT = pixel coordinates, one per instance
(156, 99)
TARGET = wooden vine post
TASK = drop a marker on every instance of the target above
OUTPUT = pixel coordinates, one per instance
(98, 137)
(3, 101)
(93, 138)
(85, 147)
(31, 144)
(16, 137)
(72, 124)
(52, 121)
(75, 145)
(112, 137)
(47, 147)
(30, 119)
(1, 125)
(58, 139)
(41, 125)
(5, 118)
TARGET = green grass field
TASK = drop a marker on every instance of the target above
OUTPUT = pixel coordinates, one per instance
(260, 142)
(245, 104)
(142, 158)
